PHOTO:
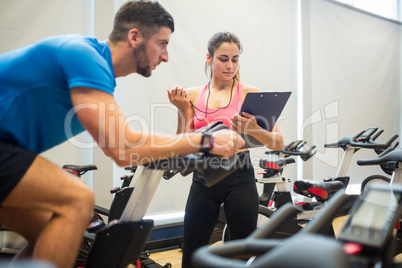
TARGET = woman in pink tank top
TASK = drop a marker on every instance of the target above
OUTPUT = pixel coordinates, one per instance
(220, 100)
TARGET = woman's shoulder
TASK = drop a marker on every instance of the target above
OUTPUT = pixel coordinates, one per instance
(194, 89)
(247, 88)
(194, 92)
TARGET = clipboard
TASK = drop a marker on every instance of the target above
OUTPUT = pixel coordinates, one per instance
(266, 107)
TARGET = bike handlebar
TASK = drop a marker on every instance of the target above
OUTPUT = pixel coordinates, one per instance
(232, 253)
(225, 255)
(358, 142)
(304, 155)
(213, 168)
(259, 243)
(295, 148)
(389, 155)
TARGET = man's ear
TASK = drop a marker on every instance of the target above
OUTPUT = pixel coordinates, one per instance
(134, 37)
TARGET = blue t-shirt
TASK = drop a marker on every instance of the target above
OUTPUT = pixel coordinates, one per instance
(35, 105)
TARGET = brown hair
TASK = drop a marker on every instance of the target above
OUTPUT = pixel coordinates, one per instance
(216, 40)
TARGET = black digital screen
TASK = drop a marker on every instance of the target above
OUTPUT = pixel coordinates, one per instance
(372, 217)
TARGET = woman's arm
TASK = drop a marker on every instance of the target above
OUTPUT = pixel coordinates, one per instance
(247, 124)
(181, 99)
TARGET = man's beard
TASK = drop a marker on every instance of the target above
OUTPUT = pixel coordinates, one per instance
(143, 67)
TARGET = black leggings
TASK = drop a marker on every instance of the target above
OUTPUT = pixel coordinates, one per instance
(239, 194)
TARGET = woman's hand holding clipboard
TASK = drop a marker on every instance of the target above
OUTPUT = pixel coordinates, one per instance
(264, 108)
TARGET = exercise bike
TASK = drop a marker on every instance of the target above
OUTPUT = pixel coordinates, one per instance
(365, 240)
(357, 246)
(322, 191)
(365, 139)
(273, 166)
(121, 241)
(120, 200)
(391, 160)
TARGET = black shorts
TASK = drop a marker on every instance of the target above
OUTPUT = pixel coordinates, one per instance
(14, 162)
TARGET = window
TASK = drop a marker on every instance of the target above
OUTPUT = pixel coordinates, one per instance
(385, 8)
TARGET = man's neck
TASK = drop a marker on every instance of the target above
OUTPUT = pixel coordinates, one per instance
(123, 62)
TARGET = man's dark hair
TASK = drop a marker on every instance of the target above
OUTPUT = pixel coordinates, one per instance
(146, 16)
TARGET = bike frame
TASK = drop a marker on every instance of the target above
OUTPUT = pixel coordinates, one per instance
(397, 175)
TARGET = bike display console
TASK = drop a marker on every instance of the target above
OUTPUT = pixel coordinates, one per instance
(372, 219)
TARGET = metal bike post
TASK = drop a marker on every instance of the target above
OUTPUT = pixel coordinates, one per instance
(347, 157)
(147, 181)
(397, 175)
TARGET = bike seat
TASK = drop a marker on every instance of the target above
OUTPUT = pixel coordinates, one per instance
(274, 166)
(320, 190)
(80, 169)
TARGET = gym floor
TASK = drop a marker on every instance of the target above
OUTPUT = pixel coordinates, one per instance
(172, 256)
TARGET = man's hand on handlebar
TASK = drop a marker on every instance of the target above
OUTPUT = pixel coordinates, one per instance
(226, 143)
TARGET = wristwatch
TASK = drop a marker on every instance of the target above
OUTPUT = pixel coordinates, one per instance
(207, 142)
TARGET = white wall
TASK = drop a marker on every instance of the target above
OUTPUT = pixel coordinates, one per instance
(267, 62)
(23, 22)
(351, 66)
(352, 79)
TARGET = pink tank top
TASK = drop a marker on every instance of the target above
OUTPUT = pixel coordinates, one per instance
(203, 117)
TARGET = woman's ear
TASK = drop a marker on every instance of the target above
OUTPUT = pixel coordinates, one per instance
(134, 37)
(209, 59)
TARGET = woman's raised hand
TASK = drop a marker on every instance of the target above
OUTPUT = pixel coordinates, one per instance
(178, 97)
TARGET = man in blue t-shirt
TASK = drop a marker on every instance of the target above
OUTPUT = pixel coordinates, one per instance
(59, 87)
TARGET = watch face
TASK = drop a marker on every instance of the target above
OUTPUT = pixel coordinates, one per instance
(206, 143)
